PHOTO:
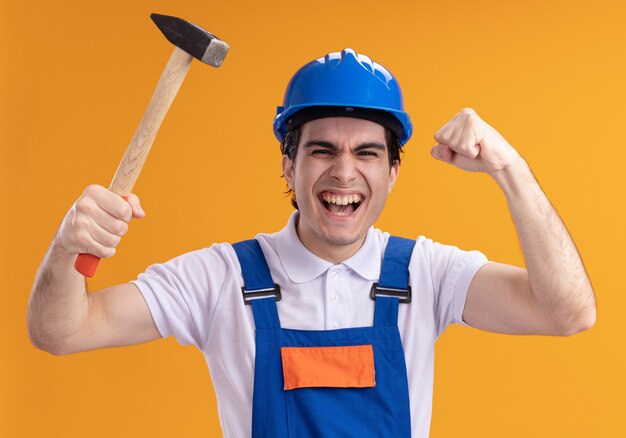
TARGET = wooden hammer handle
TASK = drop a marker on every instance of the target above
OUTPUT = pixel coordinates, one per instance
(137, 151)
(164, 94)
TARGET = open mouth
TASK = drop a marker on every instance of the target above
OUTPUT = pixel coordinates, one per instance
(340, 205)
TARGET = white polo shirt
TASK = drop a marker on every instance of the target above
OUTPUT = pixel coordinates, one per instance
(197, 298)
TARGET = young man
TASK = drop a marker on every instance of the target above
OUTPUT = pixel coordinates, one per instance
(334, 334)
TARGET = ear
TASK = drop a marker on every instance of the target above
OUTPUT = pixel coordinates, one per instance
(288, 171)
(393, 176)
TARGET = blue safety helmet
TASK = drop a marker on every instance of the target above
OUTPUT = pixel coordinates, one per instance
(343, 84)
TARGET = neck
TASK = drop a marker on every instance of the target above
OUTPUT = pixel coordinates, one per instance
(332, 251)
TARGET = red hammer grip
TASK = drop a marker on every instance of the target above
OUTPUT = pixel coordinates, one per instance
(87, 264)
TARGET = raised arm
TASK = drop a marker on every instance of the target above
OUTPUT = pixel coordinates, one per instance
(62, 317)
(553, 295)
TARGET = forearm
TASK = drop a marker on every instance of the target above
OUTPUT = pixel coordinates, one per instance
(58, 302)
(556, 272)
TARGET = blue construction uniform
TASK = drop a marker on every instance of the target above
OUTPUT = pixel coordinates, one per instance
(379, 409)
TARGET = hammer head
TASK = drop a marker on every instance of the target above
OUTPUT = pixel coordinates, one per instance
(192, 39)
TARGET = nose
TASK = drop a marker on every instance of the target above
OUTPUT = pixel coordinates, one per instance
(344, 168)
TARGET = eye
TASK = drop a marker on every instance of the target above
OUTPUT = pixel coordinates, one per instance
(320, 152)
(373, 154)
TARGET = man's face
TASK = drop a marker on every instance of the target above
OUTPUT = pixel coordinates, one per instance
(341, 177)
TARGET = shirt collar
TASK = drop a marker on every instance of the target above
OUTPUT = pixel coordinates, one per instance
(301, 265)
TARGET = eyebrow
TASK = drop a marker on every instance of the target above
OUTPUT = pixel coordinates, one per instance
(332, 146)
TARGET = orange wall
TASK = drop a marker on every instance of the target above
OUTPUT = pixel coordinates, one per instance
(76, 76)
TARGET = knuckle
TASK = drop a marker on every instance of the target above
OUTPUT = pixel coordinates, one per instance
(453, 142)
(116, 240)
(443, 137)
(121, 228)
(103, 248)
(83, 206)
(465, 148)
(117, 228)
(123, 211)
(112, 240)
(92, 189)
(471, 152)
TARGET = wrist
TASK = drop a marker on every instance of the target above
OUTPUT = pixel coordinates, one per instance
(515, 177)
(59, 253)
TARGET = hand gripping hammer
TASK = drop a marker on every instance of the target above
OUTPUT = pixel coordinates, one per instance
(190, 42)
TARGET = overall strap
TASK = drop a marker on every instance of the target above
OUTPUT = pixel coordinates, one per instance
(393, 285)
(259, 289)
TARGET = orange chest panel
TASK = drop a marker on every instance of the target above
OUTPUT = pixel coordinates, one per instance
(337, 367)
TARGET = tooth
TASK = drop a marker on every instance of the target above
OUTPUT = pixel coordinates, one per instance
(344, 200)
(334, 199)
(327, 198)
(350, 199)
(357, 198)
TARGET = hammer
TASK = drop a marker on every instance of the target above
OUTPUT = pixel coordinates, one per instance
(190, 42)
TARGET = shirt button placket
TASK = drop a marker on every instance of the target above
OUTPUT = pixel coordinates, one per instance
(333, 311)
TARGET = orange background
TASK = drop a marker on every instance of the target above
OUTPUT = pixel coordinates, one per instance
(76, 76)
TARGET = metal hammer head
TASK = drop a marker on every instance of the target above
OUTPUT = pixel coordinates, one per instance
(192, 39)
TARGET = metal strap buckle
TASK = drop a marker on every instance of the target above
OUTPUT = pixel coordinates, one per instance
(403, 294)
(248, 296)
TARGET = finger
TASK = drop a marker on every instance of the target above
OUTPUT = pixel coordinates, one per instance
(115, 205)
(102, 237)
(84, 242)
(445, 132)
(137, 211)
(110, 223)
(88, 212)
(442, 152)
(465, 163)
(455, 137)
(466, 143)
(101, 251)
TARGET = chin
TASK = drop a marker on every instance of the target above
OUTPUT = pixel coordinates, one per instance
(343, 239)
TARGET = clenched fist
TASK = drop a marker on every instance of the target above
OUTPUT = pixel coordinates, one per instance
(469, 143)
(97, 221)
